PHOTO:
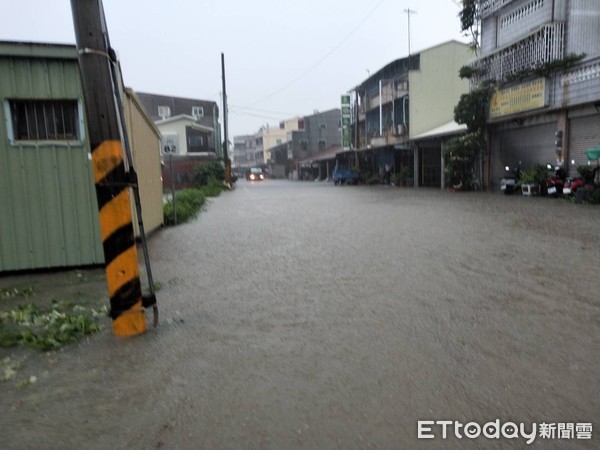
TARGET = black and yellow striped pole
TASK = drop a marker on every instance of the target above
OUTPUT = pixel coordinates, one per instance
(110, 172)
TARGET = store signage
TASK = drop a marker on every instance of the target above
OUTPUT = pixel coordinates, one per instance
(520, 98)
(346, 116)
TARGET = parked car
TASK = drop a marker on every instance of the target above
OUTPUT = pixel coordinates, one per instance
(344, 174)
(255, 174)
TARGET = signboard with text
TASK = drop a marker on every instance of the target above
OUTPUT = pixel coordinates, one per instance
(346, 119)
(523, 97)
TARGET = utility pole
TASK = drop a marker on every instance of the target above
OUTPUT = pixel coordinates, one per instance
(408, 12)
(226, 136)
(113, 174)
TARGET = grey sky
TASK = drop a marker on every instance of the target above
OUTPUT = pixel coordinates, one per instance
(283, 57)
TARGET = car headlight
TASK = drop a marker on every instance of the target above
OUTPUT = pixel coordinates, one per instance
(252, 177)
(262, 177)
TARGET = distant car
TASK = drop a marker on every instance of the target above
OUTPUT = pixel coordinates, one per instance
(255, 174)
(344, 174)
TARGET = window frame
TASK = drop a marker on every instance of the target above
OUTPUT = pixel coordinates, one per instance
(200, 110)
(164, 108)
(79, 121)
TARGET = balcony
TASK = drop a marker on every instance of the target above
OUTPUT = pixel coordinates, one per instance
(489, 7)
(390, 90)
(543, 46)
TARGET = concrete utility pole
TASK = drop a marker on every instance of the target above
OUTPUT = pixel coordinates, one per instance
(226, 141)
(112, 178)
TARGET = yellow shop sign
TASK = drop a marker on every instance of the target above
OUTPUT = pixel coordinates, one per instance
(520, 98)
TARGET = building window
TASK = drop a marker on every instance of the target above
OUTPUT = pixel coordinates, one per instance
(278, 142)
(304, 145)
(301, 124)
(164, 112)
(45, 120)
(322, 125)
(197, 111)
(196, 141)
(322, 144)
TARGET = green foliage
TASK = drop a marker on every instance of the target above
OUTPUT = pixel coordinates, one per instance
(594, 197)
(534, 175)
(188, 203)
(468, 14)
(16, 292)
(460, 155)
(213, 188)
(467, 72)
(546, 69)
(471, 109)
(205, 172)
(401, 176)
(587, 173)
(31, 327)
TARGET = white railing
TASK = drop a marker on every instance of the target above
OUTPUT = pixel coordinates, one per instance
(545, 45)
(489, 7)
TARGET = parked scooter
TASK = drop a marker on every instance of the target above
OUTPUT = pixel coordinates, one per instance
(555, 181)
(510, 182)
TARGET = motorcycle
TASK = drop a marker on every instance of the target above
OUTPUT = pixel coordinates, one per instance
(511, 181)
(555, 181)
(572, 184)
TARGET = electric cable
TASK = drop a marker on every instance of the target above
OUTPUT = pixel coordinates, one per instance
(327, 55)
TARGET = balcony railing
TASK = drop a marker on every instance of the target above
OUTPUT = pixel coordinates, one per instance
(545, 45)
(489, 7)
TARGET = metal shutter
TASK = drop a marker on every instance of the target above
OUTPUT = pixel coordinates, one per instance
(584, 132)
(527, 145)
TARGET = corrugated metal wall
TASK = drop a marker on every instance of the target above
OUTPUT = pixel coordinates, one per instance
(583, 32)
(144, 138)
(584, 133)
(527, 145)
(48, 209)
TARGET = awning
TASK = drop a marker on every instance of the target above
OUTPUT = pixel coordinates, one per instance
(593, 153)
(447, 129)
(322, 156)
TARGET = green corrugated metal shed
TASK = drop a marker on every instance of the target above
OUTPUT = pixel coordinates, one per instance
(48, 208)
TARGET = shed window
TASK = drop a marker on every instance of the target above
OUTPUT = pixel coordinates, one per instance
(45, 120)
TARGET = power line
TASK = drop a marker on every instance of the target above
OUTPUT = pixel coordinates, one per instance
(261, 116)
(327, 55)
(248, 108)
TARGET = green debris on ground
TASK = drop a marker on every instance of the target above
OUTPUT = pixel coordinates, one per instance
(31, 326)
(16, 292)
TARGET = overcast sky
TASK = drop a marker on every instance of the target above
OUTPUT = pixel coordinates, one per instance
(283, 57)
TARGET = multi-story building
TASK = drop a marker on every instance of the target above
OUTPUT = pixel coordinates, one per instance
(272, 137)
(404, 113)
(190, 133)
(544, 58)
(248, 151)
(315, 134)
(280, 149)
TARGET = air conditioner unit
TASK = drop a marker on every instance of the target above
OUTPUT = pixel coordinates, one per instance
(401, 129)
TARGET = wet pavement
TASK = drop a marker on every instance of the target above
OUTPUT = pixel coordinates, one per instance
(307, 315)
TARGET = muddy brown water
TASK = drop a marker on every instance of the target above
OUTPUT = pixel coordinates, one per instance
(303, 315)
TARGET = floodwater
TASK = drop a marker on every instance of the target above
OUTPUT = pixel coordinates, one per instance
(305, 316)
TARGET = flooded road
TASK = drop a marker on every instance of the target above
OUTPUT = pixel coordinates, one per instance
(303, 315)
